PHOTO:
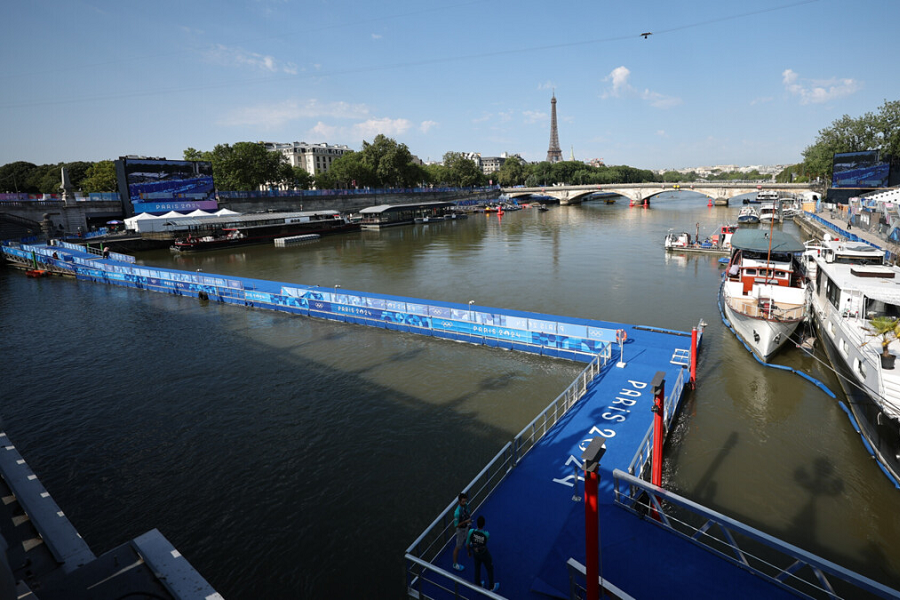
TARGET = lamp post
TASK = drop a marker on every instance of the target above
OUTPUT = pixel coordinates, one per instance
(471, 302)
(591, 457)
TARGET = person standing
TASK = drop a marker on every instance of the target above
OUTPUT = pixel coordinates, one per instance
(462, 519)
(477, 544)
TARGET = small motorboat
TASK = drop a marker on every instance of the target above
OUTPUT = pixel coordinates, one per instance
(748, 214)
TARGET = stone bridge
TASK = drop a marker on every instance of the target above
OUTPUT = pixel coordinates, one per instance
(641, 192)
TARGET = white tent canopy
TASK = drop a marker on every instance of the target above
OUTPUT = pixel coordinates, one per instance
(199, 213)
(133, 223)
(225, 212)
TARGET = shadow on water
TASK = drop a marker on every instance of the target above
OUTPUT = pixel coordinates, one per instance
(269, 469)
(820, 480)
(705, 489)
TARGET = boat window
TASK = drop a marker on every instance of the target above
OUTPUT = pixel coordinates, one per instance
(860, 367)
(845, 348)
(833, 293)
(751, 272)
(877, 308)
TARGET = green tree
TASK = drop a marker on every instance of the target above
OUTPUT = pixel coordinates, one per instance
(193, 154)
(248, 166)
(16, 177)
(888, 124)
(511, 173)
(100, 177)
(462, 171)
(302, 180)
(389, 162)
(351, 169)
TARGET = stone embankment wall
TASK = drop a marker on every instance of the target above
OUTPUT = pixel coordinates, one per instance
(349, 203)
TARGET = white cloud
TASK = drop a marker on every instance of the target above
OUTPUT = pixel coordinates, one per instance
(376, 36)
(240, 58)
(658, 100)
(271, 116)
(619, 79)
(621, 88)
(323, 132)
(813, 91)
(534, 116)
(547, 85)
(426, 126)
(662, 133)
(372, 127)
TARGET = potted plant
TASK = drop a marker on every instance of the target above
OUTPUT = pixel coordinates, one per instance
(888, 329)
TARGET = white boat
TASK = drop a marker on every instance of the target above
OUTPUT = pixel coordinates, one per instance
(850, 285)
(748, 214)
(769, 212)
(767, 196)
(678, 240)
(763, 292)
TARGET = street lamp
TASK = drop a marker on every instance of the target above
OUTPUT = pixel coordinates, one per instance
(471, 302)
(591, 457)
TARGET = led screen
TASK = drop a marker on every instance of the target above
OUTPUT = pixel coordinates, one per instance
(158, 186)
(859, 170)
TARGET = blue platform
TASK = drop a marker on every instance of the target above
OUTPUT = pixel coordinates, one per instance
(536, 526)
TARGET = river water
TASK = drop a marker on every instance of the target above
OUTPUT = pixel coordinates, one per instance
(290, 457)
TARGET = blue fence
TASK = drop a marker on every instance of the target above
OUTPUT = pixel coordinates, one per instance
(246, 195)
(559, 337)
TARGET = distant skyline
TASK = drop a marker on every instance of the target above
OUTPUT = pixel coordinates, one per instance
(714, 83)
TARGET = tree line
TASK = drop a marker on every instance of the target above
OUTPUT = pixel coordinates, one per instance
(872, 131)
(385, 163)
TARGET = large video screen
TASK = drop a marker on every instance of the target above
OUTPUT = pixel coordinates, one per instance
(859, 170)
(158, 185)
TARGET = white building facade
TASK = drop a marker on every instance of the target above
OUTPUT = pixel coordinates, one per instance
(312, 158)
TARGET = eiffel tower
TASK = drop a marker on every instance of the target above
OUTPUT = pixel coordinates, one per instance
(554, 154)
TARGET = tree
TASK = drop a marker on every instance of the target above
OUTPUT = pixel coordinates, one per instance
(512, 172)
(351, 169)
(461, 171)
(302, 180)
(389, 162)
(15, 177)
(193, 154)
(100, 177)
(247, 166)
(888, 123)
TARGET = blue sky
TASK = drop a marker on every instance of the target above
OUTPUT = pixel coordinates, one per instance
(716, 82)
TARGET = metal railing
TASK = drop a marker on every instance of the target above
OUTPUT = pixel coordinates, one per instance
(420, 554)
(645, 449)
(768, 310)
(780, 563)
(578, 584)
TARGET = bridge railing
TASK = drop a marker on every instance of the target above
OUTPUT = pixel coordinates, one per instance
(776, 561)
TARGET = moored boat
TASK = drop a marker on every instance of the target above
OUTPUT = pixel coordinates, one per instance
(769, 212)
(748, 215)
(238, 230)
(855, 302)
(763, 291)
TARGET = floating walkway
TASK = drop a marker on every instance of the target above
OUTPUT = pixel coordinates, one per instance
(653, 543)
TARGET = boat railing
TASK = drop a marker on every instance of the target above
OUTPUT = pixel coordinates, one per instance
(752, 307)
(421, 574)
(778, 562)
(645, 448)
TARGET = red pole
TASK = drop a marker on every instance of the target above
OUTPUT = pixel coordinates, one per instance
(658, 404)
(592, 536)
(694, 357)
